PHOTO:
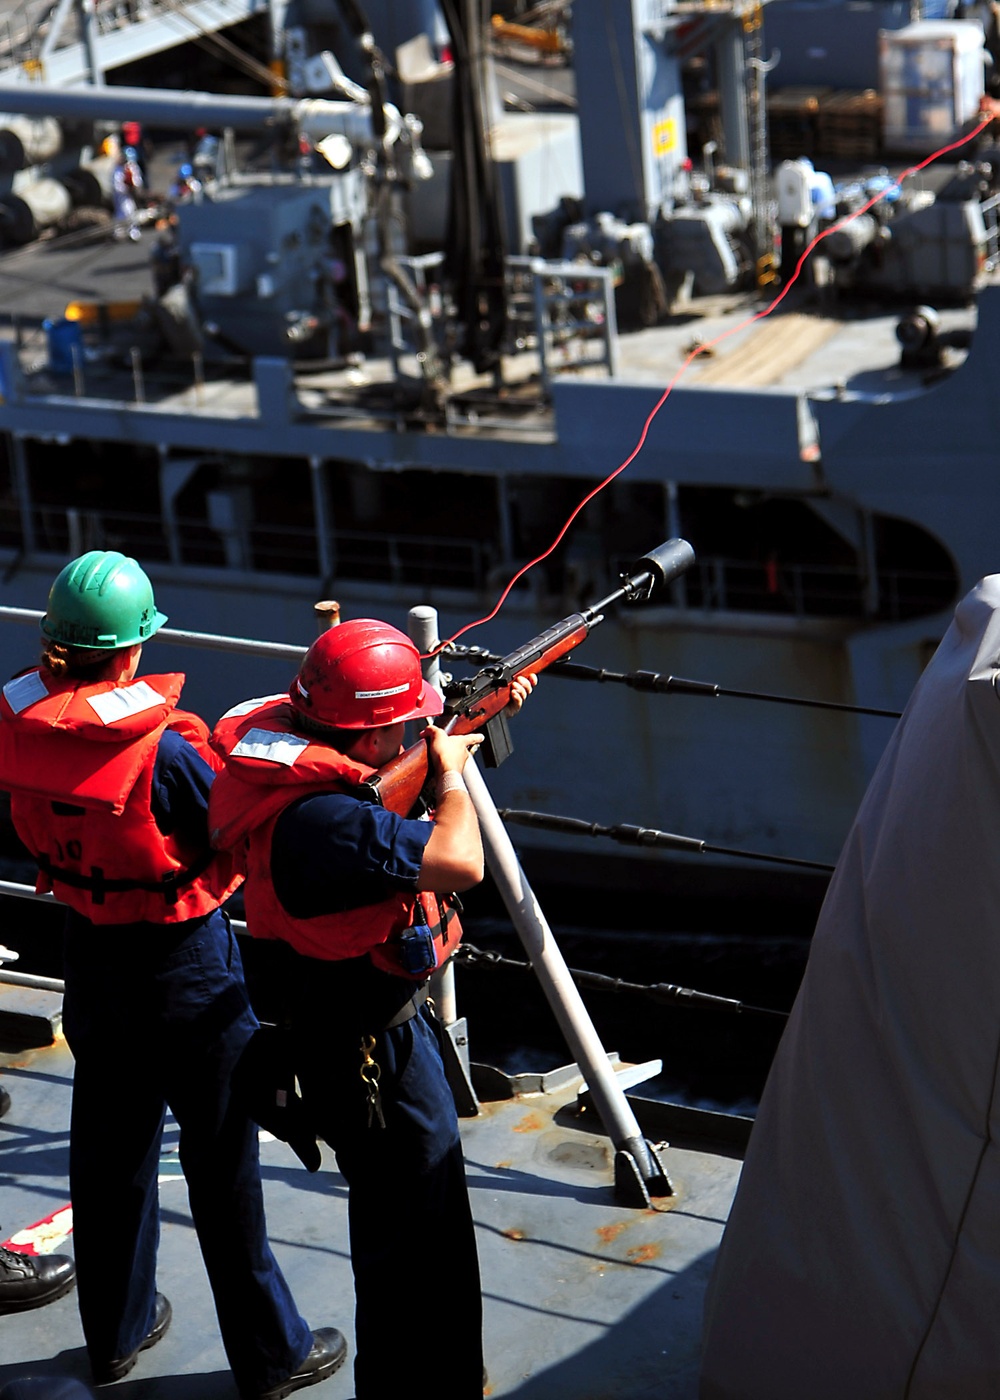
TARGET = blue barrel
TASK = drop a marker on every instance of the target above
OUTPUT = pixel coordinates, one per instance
(62, 336)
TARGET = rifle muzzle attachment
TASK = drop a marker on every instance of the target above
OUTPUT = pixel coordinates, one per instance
(657, 568)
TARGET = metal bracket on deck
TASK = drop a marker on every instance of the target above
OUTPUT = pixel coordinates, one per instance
(454, 1042)
(639, 1174)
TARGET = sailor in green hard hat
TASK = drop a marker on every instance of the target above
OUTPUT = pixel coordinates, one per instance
(109, 784)
(101, 602)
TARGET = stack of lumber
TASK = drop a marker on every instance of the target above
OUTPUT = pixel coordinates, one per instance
(824, 123)
(791, 121)
(849, 125)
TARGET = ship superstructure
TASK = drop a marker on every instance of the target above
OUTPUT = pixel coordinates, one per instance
(361, 383)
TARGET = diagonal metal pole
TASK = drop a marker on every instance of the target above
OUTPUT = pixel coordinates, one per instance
(639, 1174)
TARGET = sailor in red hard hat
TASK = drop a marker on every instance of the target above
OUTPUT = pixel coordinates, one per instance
(361, 901)
(109, 784)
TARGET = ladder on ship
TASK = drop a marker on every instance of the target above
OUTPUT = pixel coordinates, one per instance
(68, 42)
(754, 78)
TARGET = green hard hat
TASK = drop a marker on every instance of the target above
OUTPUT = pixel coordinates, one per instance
(101, 601)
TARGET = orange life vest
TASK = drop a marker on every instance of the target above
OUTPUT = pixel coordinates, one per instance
(269, 764)
(78, 762)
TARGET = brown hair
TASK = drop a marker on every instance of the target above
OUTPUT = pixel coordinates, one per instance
(74, 663)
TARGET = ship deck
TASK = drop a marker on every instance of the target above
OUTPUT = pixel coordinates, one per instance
(584, 1297)
(811, 344)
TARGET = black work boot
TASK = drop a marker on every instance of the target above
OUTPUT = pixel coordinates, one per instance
(29, 1281)
(329, 1350)
(114, 1370)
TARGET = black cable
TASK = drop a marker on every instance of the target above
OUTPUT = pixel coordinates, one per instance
(356, 18)
(657, 991)
(476, 238)
(652, 682)
(648, 836)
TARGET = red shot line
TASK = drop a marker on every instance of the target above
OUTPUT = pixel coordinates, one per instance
(694, 354)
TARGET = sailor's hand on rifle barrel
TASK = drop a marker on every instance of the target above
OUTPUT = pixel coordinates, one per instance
(520, 688)
(448, 752)
(989, 106)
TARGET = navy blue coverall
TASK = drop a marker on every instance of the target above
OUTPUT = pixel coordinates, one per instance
(413, 1247)
(156, 1015)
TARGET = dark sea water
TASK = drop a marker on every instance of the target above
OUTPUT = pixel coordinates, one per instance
(712, 1057)
(753, 952)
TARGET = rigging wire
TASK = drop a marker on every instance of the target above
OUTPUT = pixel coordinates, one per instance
(655, 683)
(471, 956)
(629, 835)
(545, 90)
(222, 47)
(692, 356)
(192, 31)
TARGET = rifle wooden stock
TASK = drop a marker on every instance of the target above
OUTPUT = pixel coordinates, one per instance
(398, 783)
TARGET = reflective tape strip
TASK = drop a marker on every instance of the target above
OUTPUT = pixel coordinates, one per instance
(124, 701)
(245, 706)
(270, 746)
(24, 691)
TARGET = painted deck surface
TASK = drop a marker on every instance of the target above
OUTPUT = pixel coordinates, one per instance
(584, 1298)
(805, 351)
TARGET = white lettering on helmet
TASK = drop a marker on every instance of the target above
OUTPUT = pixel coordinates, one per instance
(271, 746)
(380, 694)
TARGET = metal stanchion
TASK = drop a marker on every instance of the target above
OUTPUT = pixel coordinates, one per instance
(327, 613)
(422, 625)
(639, 1173)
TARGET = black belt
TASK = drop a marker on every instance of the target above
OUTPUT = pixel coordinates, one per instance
(407, 1012)
(98, 885)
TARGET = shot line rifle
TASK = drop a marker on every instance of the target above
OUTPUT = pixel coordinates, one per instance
(479, 701)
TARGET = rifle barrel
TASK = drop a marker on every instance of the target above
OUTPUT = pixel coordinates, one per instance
(399, 782)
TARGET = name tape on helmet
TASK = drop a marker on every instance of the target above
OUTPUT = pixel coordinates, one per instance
(124, 701)
(271, 746)
(24, 691)
(381, 694)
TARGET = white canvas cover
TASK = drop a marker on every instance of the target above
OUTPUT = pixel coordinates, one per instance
(862, 1256)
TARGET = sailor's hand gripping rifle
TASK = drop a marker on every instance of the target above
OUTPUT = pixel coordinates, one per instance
(479, 702)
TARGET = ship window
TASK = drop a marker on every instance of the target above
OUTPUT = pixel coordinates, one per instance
(756, 552)
(249, 514)
(109, 499)
(414, 527)
(217, 267)
(10, 516)
(916, 574)
(611, 531)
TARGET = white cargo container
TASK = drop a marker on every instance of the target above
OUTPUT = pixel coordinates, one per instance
(931, 76)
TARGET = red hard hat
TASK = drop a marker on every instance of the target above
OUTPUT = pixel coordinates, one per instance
(363, 674)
